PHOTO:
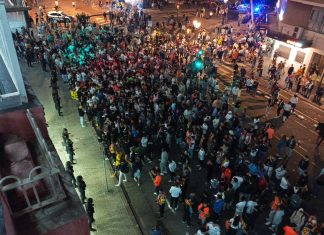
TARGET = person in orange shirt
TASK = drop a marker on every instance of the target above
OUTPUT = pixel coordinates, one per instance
(157, 183)
(203, 211)
(274, 207)
(270, 132)
(299, 71)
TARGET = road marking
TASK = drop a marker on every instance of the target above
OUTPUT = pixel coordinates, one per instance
(314, 132)
(302, 125)
(287, 98)
(300, 154)
(300, 116)
(296, 110)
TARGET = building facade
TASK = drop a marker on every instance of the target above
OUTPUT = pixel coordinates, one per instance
(12, 88)
(301, 30)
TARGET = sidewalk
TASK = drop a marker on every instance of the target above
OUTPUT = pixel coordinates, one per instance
(112, 212)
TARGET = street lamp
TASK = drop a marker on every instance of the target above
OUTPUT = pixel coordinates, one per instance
(225, 2)
(252, 13)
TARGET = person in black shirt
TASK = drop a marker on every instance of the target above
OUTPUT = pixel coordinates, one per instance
(69, 169)
(320, 137)
(90, 211)
(81, 187)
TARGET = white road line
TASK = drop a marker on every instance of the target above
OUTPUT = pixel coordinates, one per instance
(314, 132)
(301, 124)
(300, 154)
(296, 110)
(227, 68)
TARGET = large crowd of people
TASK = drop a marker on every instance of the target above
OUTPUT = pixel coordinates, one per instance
(151, 93)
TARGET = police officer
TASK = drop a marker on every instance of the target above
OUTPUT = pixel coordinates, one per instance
(90, 211)
(69, 169)
(70, 150)
(65, 136)
(81, 187)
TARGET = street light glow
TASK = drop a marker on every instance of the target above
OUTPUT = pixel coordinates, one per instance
(281, 15)
(196, 24)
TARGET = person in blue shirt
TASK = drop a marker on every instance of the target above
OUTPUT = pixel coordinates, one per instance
(156, 230)
(218, 205)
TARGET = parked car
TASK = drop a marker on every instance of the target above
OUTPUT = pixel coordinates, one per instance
(59, 16)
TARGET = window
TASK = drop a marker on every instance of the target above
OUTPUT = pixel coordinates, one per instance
(284, 51)
(300, 56)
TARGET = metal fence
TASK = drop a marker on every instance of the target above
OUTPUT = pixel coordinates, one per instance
(46, 176)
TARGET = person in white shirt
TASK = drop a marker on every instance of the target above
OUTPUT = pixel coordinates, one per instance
(204, 128)
(172, 169)
(284, 184)
(229, 116)
(280, 172)
(144, 143)
(164, 161)
(201, 158)
(235, 91)
(212, 228)
(236, 182)
(240, 206)
(251, 207)
(294, 101)
(287, 110)
(175, 192)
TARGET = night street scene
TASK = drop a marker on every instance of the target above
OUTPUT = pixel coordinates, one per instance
(161, 117)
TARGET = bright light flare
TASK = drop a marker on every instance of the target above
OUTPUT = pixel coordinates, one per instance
(196, 24)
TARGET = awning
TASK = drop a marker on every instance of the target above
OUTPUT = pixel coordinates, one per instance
(288, 39)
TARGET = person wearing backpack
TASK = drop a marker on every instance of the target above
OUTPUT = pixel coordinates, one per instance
(298, 217)
(160, 200)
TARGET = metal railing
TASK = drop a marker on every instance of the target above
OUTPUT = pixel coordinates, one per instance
(46, 177)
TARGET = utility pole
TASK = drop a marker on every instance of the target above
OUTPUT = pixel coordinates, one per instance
(252, 13)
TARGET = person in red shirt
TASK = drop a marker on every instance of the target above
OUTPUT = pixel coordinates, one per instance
(157, 183)
(288, 230)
